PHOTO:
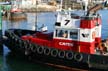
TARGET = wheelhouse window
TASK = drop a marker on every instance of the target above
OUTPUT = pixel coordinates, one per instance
(61, 33)
(71, 34)
(74, 34)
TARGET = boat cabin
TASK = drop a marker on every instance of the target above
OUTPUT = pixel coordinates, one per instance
(77, 33)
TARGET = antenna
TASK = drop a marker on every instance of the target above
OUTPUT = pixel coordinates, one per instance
(61, 4)
(85, 4)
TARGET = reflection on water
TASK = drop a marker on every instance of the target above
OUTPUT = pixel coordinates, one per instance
(18, 62)
(1, 60)
(13, 62)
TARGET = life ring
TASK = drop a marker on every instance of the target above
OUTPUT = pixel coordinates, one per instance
(93, 35)
(78, 57)
(40, 49)
(54, 52)
(69, 55)
(47, 51)
(61, 54)
(34, 48)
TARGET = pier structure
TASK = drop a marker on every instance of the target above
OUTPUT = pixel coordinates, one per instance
(1, 13)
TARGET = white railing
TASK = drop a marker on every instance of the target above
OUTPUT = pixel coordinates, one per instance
(98, 1)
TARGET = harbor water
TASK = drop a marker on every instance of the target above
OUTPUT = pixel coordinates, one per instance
(12, 62)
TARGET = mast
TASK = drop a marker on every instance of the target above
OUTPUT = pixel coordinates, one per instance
(36, 17)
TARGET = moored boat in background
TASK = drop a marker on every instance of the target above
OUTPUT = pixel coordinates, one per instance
(17, 14)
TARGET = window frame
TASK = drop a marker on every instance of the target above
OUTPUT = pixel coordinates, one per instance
(68, 30)
(77, 31)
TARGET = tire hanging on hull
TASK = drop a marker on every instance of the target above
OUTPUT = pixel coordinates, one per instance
(40, 49)
(34, 48)
(47, 51)
(27, 45)
(69, 55)
(27, 48)
(54, 52)
(61, 54)
(78, 57)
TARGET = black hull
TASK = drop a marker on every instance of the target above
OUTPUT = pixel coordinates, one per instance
(85, 61)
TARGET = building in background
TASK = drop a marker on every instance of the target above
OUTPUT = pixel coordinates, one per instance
(45, 1)
(34, 2)
(29, 2)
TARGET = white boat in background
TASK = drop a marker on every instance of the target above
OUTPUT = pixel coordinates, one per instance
(17, 14)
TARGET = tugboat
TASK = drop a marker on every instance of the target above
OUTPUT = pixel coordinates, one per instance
(75, 42)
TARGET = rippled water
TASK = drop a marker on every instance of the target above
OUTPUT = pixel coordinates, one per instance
(12, 62)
